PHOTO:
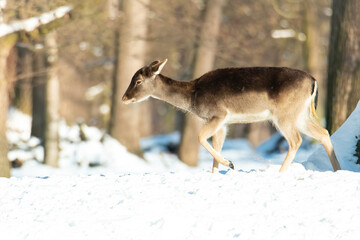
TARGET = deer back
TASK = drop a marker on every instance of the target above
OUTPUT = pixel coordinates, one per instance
(250, 90)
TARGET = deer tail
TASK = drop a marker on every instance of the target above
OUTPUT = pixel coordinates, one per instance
(314, 98)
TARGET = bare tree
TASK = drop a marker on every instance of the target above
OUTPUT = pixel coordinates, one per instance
(45, 97)
(205, 57)
(23, 89)
(8, 38)
(6, 44)
(312, 49)
(344, 62)
(51, 143)
(38, 91)
(125, 120)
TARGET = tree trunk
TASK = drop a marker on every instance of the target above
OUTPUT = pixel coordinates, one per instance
(23, 90)
(205, 58)
(125, 120)
(51, 141)
(38, 95)
(344, 62)
(6, 43)
(312, 51)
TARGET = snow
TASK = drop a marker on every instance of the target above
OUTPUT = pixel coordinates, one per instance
(344, 141)
(75, 155)
(299, 204)
(31, 24)
(2, 4)
(283, 33)
(127, 198)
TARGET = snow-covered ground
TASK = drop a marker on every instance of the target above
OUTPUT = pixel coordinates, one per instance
(127, 198)
(299, 204)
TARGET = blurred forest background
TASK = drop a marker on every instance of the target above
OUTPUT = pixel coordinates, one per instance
(78, 65)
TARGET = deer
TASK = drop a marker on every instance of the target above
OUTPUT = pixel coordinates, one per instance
(284, 96)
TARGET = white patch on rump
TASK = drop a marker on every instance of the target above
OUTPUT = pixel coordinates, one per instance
(304, 116)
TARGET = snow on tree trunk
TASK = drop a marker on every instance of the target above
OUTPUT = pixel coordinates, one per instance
(205, 57)
(32, 23)
(344, 62)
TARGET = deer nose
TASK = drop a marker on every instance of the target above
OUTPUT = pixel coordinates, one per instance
(124, 99)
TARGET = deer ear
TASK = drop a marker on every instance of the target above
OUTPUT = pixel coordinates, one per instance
(154, 63)
(157, 66)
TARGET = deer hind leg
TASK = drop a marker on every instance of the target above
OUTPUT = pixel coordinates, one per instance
(218, 141)
(206, 132)
(314, 130)
(292, 136)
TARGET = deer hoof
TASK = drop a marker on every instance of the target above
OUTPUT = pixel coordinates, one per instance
(231, 165)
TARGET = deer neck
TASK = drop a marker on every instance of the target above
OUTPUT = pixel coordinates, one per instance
(176, 93)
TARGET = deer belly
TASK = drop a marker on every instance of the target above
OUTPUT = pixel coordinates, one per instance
(248, 117)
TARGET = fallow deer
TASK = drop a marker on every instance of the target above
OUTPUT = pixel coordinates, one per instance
(282, 95)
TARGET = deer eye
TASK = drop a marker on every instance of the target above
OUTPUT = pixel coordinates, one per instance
(138, 82)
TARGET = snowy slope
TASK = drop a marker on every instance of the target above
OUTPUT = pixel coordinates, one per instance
(299, 204)
(344, 141)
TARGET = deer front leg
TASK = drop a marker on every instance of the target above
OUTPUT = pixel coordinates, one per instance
(209, 130)
(218, 141)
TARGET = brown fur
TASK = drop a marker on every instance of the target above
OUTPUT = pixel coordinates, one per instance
(282, 95)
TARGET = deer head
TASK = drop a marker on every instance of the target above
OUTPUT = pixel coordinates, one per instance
(142, 84)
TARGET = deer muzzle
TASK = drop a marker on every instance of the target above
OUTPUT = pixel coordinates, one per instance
(126, 100)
